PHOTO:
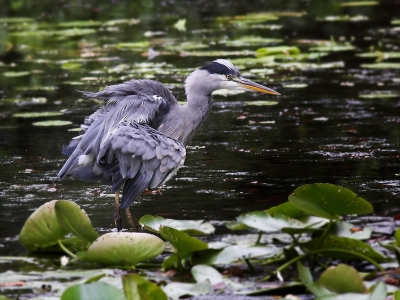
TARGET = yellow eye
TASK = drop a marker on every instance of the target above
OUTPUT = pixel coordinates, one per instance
(229, 76)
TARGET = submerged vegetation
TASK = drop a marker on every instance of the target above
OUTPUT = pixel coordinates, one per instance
(307, 246)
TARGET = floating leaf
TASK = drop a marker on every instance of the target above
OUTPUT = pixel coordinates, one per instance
(328, 201)
(381, 66)
(16, 73)
(52, 123)
(71, 66)
(125, 249)
(287, 50)
(38, 114)
(344, 229)
(263, 221)
(180, 25)
(348, 248)
(134, 45)
(306, 278)
(333, 47)
(16, 20)
(95, 290)
(344, 18)
(122, 22)
(295, 85)
(42, 228)
(379, 95)
(191, 227)
(244, 41)
(138, 288)
(359, 3)
(342, 279)
(175, 290)
(182, 241)
(203, 272)
(261, 103)
(287, 209)
(74, 24)
(234, 253)
(75, 220)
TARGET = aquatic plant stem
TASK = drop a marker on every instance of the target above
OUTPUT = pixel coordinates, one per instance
(65, 249)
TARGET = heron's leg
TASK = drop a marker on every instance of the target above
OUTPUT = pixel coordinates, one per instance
(129, 218)
(117, 217)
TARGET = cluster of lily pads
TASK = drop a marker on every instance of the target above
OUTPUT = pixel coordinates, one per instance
(306, 233)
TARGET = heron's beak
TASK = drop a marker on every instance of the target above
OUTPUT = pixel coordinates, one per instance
(252, 86)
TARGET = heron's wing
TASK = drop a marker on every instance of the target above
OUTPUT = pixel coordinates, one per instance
(146, 100)
(134, 107)
(139, 157)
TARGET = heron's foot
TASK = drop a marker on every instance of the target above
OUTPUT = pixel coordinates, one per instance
(129, 218)
(157, 191)
(117, 219)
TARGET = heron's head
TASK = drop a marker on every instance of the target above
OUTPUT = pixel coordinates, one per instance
(222, 74)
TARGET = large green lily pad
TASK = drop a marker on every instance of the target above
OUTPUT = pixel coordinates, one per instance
(75, 220)
(138, 288)
(263, 221)
(328, 201)
(125, 249)
(42, 228)
(343, 248)
(181, 241)
(192, 227)
(342, 279)
(95, 290)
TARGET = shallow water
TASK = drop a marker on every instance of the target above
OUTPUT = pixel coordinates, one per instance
(341, 128)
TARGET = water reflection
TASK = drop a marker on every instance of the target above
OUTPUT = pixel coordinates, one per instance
(246, 157)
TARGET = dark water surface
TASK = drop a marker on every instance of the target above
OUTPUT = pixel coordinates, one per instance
(343, 128)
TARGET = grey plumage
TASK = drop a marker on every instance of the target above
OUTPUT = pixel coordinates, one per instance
(136, 141)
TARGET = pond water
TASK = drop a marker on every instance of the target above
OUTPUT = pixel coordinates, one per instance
(337, 121)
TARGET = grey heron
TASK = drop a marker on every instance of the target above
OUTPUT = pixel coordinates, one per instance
(137, 140)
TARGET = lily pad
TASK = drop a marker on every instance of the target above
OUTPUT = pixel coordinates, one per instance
(176, 290)
(16, 73)
(134, 45)
(245, 41)
(125, 249)
(379, 95)
(262, 103)
(328, 201)
(52, 123)
(191, 227)
(75, 220)
(181, 241)
(138, 288)
(348, 248)
(263, 221)
(38, 114)
(342, 279)
(42, 228)
(306, 278)
(287, 50)
(180, 25)
(344, 229)
(287, 209)
(381, 65)
(234, 253)
(359, 3)
(295, 85)
(95, 290)
(333, 47)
